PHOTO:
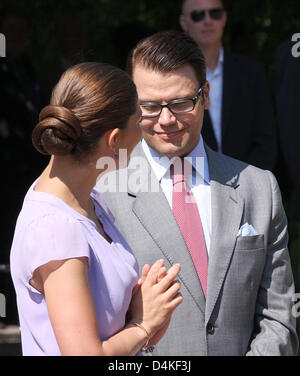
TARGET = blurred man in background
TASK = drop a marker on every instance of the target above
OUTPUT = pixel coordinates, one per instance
(240, 120)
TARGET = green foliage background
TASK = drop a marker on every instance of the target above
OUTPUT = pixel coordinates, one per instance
(255, 27)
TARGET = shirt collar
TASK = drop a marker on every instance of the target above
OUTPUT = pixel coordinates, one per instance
(161, 164)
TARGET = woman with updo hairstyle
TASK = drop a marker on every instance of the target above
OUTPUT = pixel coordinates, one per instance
(76, 279)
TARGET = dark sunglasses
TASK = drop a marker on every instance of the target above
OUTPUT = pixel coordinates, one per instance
(198, 15)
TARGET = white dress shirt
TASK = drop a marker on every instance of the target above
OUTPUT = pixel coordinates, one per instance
(215, 79)
(199, 181)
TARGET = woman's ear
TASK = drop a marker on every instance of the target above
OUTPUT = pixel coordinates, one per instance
(113, 139)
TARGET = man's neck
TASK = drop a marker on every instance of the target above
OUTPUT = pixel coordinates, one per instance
(211, 54)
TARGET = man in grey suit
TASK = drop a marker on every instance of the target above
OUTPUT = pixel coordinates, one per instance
(244, 305)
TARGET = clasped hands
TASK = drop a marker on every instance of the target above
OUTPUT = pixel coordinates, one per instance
(154, 299)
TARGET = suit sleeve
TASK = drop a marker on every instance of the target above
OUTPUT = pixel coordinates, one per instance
(275, 326)
(264, 133)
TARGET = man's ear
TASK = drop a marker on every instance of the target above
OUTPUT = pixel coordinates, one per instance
(182, 22)
(206, 89)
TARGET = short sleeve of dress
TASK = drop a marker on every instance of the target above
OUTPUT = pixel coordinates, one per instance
(53, 237)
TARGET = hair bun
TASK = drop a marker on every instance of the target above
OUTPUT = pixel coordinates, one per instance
(57, 131)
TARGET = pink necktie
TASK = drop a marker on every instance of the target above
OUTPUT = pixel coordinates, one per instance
(187, 216)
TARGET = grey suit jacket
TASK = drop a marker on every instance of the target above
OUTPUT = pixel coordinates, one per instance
(250, 284)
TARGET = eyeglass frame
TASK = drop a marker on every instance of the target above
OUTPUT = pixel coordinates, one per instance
(205, 11)
(194, 100)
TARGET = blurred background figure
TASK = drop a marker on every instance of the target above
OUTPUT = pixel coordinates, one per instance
(240, 121)
(20, 103)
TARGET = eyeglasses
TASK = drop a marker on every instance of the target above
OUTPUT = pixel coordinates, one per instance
(177, 106)
(198, 15)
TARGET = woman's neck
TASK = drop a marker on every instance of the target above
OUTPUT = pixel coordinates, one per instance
(69, 181)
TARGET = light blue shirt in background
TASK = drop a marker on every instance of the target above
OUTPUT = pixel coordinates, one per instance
(215, 79)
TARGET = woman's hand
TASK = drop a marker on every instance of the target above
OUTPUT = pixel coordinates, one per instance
(145, 272)
(156, 298)
(161, 332)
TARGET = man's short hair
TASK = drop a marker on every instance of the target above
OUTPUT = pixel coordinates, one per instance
(167, 51)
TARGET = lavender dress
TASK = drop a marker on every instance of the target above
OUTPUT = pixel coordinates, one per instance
(48, 229)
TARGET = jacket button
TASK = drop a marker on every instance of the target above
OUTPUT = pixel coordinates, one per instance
(210, 328)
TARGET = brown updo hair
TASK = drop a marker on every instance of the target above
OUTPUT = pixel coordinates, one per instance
(89, 100)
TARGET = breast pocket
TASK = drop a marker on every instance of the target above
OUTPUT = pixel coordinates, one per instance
(245, 275)
(250, 242)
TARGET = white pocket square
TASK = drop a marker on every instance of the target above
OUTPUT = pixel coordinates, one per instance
(247, 230)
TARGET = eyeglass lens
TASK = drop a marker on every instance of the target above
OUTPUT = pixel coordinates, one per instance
(177, 107)
(198, 15)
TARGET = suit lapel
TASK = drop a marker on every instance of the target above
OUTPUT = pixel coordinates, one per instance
(227, 210)
(155, 214)
(230, 71)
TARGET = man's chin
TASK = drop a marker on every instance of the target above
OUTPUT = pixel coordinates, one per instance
(171, 151)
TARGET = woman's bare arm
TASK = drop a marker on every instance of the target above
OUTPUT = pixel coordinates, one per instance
(73, 317)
